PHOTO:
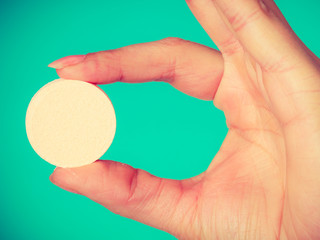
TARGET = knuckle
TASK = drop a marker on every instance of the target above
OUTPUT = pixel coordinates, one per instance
(230, 46)
(240, 20)
(280, 64)
(132, 193)
(173, 41)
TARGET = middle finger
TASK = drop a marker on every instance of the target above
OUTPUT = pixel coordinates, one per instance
(215, 25)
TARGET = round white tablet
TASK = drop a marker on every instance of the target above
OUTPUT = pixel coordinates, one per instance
(70, 123)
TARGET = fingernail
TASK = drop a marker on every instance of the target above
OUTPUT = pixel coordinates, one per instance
(67, 61)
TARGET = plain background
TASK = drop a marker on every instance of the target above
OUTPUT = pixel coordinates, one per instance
(159, 129)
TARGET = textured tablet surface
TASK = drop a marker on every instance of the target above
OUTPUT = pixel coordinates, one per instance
(70, 123)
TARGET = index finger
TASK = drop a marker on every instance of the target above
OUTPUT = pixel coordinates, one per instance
(191, 68)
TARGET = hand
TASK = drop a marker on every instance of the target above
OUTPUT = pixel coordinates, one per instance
(265, 181)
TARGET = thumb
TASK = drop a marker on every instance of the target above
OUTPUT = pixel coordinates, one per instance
(169, 205)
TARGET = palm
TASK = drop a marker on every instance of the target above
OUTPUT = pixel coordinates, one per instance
(244, 186)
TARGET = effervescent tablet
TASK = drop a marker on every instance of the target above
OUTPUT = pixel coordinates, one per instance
(70, 123)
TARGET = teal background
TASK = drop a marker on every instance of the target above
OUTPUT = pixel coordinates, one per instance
(159, 129)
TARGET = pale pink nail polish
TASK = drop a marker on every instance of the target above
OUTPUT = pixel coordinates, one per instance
(67, 61)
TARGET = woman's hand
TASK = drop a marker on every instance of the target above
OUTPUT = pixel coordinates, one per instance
(265, 181)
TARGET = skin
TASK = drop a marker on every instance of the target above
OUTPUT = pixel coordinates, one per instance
(264, 183)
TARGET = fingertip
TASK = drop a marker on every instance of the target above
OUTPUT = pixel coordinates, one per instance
(64, 178)
(52, 177)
